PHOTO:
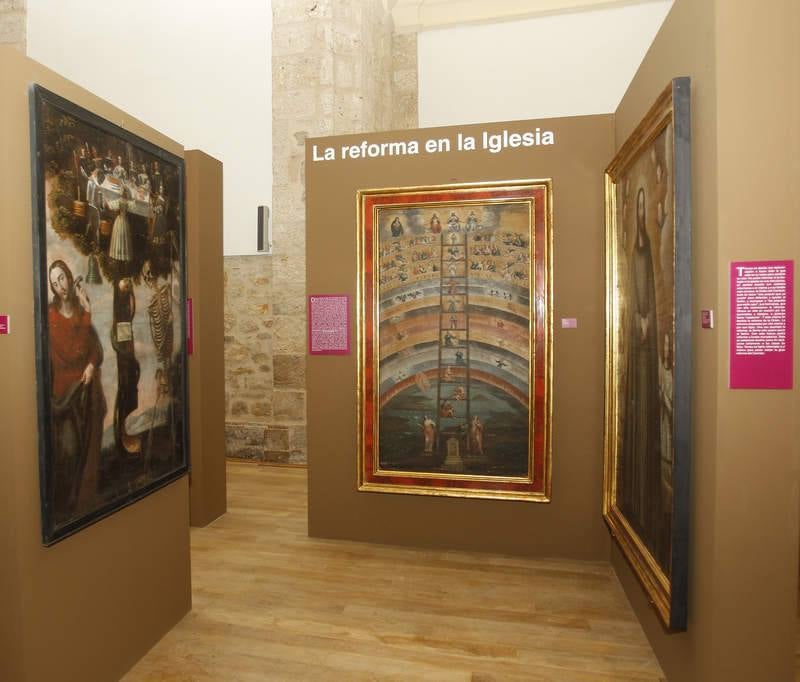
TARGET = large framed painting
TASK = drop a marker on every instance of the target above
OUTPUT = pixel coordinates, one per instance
(455, 340)
(648, 351)
(110, 288)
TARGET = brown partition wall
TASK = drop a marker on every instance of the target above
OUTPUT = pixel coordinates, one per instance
(207, 362)
(571, 525)
(745, 67)
(89, 607)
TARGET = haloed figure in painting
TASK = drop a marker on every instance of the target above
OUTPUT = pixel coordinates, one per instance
(641, 461)
(77, 402)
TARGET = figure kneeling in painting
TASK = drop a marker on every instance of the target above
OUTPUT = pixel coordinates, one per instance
(78, 405)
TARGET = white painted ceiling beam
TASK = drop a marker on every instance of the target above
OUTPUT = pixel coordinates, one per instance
(412, 16)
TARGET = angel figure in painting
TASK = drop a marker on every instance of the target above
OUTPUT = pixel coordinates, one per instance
(77, 401)
(428, 433)
(641, 493)
(476, 435)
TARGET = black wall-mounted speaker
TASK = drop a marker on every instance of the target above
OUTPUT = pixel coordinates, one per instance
(263, 222)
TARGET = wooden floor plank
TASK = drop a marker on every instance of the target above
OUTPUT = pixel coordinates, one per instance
(270, 603)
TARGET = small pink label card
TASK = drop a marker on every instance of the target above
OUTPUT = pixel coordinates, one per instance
(5, 325)
(329, 324)
(761, 324)
(189, 327)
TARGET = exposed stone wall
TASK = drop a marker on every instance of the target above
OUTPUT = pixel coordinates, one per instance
(13, 23)
(332, 73)
(405, 85)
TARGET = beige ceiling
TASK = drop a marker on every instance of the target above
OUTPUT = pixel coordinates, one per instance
(419, 15)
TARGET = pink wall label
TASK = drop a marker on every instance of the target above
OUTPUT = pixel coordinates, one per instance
(5, 325)
(189, 327)
(761, 324)
(329, 324)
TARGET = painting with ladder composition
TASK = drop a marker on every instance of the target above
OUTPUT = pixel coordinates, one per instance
(455, 340)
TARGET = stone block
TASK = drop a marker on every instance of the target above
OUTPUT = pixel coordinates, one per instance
(239, 408)
(405, 80)
(290, 300)
(297, 438)
(325, 70)
(247, 452)
(291, 11)
(296, 72)
(346, 40)
(297, 168)
(293, 38)
(404, 51)
(290, 406)
(260, 383)
(405, 115)
(277, 438)
(236, 354)
(276, 456)
(345, 73)
(261, 408)
(326, 102)
(12, 27)
(244, 440)
(298, 457)
(247, 326)
(293, 103)
(290, 371)
(290, 334)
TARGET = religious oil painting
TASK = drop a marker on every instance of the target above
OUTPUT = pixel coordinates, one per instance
(109, 282)
(648, 351)
(455, 340)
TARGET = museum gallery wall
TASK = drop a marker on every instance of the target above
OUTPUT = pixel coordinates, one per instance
(62, 598)
(460, 338)
(743, 520)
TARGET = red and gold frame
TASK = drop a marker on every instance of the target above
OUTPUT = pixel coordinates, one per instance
(500, 315)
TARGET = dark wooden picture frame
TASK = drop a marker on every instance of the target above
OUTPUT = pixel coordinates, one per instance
(455, 330)
(649, 353)
(112, 202)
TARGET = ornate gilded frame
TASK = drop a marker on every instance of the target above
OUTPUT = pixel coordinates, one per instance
(646, 491)
(474, 480)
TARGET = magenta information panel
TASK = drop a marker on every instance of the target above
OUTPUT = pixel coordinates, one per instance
(328, 324)
(761, 324)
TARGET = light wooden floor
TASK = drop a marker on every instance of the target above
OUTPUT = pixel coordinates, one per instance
(272, 604)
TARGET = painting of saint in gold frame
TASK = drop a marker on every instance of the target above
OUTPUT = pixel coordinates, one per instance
(455, 340)
(648, 351)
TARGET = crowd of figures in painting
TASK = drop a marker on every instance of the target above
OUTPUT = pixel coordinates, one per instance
(454, 289)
